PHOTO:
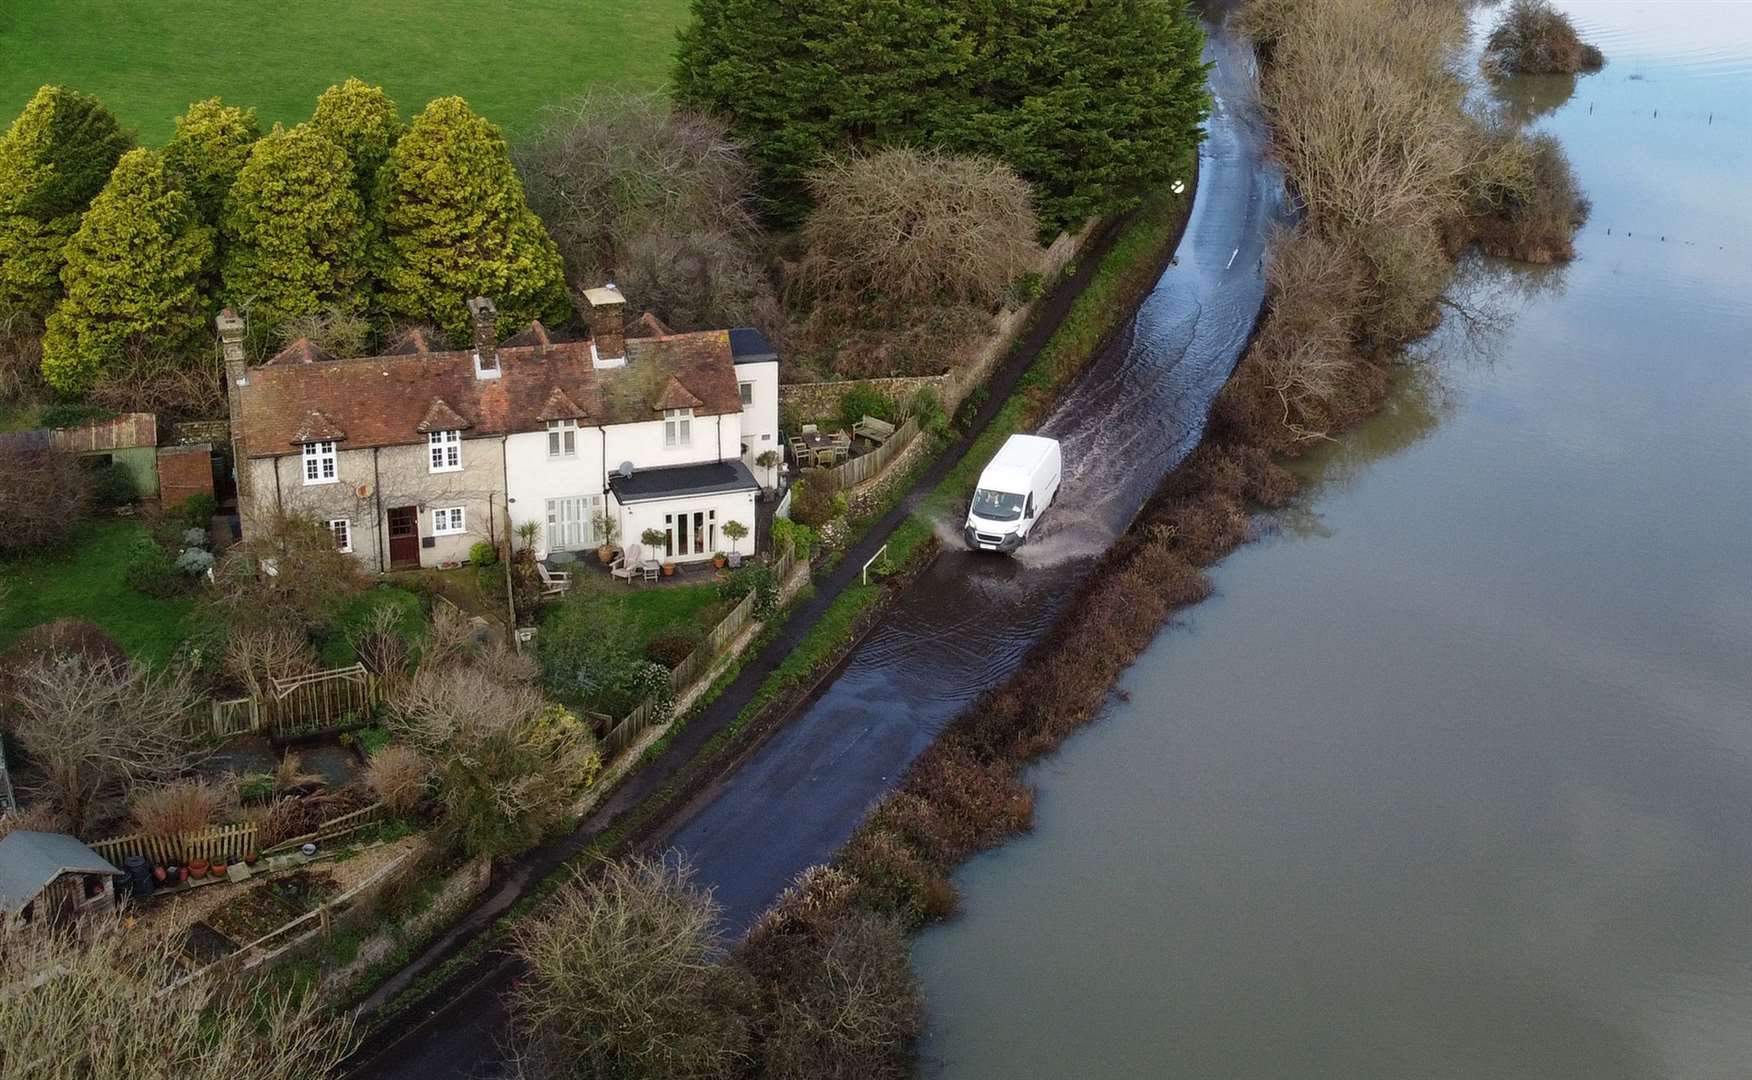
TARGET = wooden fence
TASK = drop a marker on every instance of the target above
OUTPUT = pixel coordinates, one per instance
(864, 466)
(334, 827)
(220, 843)
(697, 664)
(340, 699)
(233, 716)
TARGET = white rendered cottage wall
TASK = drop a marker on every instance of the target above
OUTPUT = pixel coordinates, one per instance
(533, 477)
(760, 417)
(735, 506)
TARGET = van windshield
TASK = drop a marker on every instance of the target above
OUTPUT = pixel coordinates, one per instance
(996, 505)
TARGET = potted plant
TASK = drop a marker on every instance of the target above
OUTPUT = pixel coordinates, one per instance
(719, 559)
(219, 868)
(609, 529)
(198, 868)
(736, 530)
(768, 460)
(654, 539)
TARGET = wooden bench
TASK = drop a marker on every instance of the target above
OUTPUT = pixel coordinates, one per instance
(877, 431)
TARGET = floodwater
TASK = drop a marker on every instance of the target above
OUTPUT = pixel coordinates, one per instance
(1453, 776)
(967, 620)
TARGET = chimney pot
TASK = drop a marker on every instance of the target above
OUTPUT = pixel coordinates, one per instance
(230, 336)
(486, 336)
(608, 336)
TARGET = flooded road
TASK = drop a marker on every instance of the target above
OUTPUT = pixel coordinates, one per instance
(1453, 776)
(966, 621)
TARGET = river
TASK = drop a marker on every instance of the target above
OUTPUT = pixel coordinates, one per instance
(1453, 775)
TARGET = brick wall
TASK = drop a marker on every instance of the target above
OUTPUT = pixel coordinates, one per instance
(184, 471)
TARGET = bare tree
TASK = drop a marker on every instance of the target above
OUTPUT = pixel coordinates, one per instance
(626, 978)
(287, 573)
(398, 776)
(72, 1010)
(43, 492)
(95, 727)
(256, 655)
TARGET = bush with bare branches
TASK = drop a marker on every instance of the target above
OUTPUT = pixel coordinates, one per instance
(21, 357)
(92, 728)
(43, 493)
(187, 385)
(625, 979)
(77, 1009)
(287, 572)
(338, 331)
(256, 655)
(39, 818)
(1535, 38)
(380, 644)
(399, 777)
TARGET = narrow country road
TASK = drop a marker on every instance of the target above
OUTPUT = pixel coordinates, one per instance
(963, 624)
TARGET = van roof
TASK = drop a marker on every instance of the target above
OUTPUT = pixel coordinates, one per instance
(1012, 467)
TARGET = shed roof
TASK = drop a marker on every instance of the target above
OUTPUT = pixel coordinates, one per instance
(30, 861)
(680, 481)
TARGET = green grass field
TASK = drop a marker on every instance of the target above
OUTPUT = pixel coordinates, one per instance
(147, 59)
(84, 579)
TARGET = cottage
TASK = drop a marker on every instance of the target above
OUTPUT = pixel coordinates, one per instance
(413, 456)
(52, 876)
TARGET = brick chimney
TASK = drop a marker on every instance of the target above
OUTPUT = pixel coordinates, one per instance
(486, 337)
(608, 335)
(236, 378)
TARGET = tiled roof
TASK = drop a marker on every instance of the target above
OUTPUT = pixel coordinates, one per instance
(302, 351)
(649, 325)
(560, 407)
(415, 339)
(441, 417)
(675, 396)
(382, 400)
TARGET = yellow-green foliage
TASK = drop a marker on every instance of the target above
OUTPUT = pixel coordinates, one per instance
(363, 121)
(457, 226)
(53, 160)
(134, 272)
(295, 238)
(209, 148)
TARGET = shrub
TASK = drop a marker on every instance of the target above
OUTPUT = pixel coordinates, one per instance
(257, 654)
(335, 329)
(38, 818)
(671, 648)
(1527, 203)
(207, 151)
(1535, 38)
(150, 569)
(811, 504)
(860, 400)
(111, 485)
(43, 494)
(287, 571)
(624, 979)
(185, 806)
(198, 510)
(798, 538)
(483, 553)
(927, 408)
(196, 538)
(194, 562)
(398, 776)
(736, 530)
(66, 414)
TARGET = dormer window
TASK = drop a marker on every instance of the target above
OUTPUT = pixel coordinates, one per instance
(562, 438)
(677, 428)
(319, 463)
(446, 450)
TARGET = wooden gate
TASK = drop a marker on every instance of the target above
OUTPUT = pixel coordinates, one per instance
(325, 701)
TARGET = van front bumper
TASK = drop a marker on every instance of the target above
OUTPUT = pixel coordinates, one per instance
(1003, 545)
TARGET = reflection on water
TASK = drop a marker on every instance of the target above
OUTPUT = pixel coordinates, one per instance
(1451, 778)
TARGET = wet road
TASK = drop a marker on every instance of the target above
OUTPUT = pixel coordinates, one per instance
(965, 623)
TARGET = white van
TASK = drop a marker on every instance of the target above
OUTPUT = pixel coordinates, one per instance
(1014, 490)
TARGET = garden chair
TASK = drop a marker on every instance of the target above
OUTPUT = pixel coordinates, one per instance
(553, 582)
(877, 431)
(810, 429)
(842, 444)
(801, 453)
(826, 457)
(626, 564)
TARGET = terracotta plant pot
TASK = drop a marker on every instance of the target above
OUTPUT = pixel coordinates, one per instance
(605, 553)
(158, 874)
(719, 561)
(198, 868)
(251, 858)
(668, 569)
(218, 869)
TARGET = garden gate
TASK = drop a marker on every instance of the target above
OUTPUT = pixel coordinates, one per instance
(340, 699)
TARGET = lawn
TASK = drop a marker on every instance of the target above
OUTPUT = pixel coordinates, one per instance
(638, 614)
(147, 59)
(84, 580)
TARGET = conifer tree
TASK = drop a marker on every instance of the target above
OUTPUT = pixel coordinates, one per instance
(295, 240)
(456, 226)
(363, 121)
(208, 149)
(54, 159)
(133, 275)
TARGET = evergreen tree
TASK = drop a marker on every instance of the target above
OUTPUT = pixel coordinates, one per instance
(295, 239)
(133, 275)
(208, 149)
(456, 225)
(363, 121)
(801, 80)
(53, 160)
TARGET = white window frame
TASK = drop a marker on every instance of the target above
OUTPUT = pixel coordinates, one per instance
(449, 521)
(444, 450)
(746, 389)
(562, 438)
(320, 464)
(342, 529)
(677, 428)
(554, 530)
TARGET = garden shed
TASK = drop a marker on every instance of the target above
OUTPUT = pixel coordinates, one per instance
(49, 875)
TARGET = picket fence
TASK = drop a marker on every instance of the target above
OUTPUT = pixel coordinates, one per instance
(220, 843)
(861, 468)
(697, 664)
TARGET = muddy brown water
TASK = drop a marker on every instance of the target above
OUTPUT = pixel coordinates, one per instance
(1453, 776)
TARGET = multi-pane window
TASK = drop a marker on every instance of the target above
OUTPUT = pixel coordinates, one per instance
(446, 450)
(343, 533)
(571, 523)
(747, 390)
(447, 520)
(677, 427)
(319, 463)
(562, 438)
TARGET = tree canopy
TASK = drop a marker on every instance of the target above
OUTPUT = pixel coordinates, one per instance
(457, 225)
(1092, 101)
(295, 239)
(207, 151)
(363, 121)
(54, 159)
(135, 273)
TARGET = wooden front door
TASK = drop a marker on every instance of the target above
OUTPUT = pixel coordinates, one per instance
(404, 536)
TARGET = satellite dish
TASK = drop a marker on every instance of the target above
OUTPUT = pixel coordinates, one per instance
(625, 470)
(363, 491)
